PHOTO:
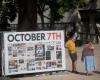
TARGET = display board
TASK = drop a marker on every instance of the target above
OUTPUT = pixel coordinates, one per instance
(31, 52)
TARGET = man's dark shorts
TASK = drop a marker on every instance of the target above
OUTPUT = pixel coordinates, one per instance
(73, 56)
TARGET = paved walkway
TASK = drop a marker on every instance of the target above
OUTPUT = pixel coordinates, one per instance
(67, 75)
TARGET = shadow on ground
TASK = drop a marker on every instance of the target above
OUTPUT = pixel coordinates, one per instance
(7, 78)
(80, 73)
(49, 73)
(97, 72)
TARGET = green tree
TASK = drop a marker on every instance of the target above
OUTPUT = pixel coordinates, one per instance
(7, 12)
(59, 7)
(53, 16)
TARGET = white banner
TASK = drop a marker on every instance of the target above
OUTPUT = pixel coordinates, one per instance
(31, 52)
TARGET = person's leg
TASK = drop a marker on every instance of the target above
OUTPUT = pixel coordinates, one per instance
(87, 64)
(87, 73)
(74, 59)
(74, 62)
(74, 66)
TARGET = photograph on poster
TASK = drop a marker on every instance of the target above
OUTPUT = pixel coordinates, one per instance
(21, 61)
(36, 53)
(58, 47)
(43, 64)
(13, 64)
(30, 50)
(54, 64)
(21, 47)
(59, 63)
(30, 64)
(48, 55)
(14, 54)
(49, 47)
(9, 47)
(16, 49)
(9, 53)
(20, 51)
(30, 47)
(39, 52)
(22, 65)
(58, 54)
(38, 65)
(13, 70)
(21, 54)
(48, 65)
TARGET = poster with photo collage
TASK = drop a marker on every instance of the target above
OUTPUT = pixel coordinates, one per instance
(31, 52)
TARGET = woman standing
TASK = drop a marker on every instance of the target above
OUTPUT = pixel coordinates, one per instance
(70, 44)
(88, 57)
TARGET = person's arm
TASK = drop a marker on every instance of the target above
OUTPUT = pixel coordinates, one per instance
(66, 44)
(82, 57)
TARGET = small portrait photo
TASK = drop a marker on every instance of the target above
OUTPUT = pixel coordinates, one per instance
(15, 54)
(58, 47)
(9, 48)
(58, 54)
(39, 52)
(48, 55)
(48, 64)
(49, 47)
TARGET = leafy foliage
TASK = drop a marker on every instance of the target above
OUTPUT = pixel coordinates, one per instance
(66, 5)
(8, 12)
(57, 8)
(11, 10)
(54, 7)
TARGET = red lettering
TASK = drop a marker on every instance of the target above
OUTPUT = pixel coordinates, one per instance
(54, 36)
(58, 35)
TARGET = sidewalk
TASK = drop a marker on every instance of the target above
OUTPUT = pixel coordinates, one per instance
(67, 75)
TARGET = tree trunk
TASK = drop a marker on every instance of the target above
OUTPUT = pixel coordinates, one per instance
(42, 20)
(27, 20)
(51, 20)
(40, 12)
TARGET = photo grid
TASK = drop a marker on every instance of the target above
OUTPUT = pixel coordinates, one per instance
(34, 56)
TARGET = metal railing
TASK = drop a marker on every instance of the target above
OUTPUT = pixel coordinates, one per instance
(57, 26)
